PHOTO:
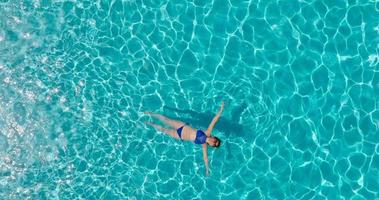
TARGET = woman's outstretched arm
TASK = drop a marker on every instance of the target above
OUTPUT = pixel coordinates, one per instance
(205, 157)
(214, 120)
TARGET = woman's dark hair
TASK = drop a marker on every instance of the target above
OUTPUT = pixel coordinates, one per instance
(218, 141)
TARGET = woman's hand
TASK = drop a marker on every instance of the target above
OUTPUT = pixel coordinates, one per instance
(222, 106)
(214, 120)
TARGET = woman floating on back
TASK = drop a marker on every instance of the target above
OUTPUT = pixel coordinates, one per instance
(182, 131)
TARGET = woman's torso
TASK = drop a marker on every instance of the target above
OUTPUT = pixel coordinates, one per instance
(188, 133)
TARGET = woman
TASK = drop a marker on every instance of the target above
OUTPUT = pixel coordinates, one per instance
(184, 132)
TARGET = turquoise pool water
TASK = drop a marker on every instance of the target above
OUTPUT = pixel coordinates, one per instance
(300, 80)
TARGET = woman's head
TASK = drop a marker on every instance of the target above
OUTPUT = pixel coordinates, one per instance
(214, 141)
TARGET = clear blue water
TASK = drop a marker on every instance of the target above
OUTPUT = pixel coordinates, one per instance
(300, 80)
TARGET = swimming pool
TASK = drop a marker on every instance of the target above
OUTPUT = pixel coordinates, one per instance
(300, 80)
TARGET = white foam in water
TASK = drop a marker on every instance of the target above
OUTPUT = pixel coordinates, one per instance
(7, 80)
(373, 60)
(123, 113)
(55, 90)
(36, 3)
(360, 181)
(92, 22)
(44, 59)
(30, 95)
(81, 83)
(342, 58)
(20, 129)
(26, 35)
(62, 99)
(163, 10)
(326, 183)
(58, 63)
(325, 150)
(16, 19)
(39, 83)
(377, 29)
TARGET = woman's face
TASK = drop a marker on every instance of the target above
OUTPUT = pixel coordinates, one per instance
(213, 142)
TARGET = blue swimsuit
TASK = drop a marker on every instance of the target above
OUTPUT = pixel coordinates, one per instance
(201, 137)
(179, 131)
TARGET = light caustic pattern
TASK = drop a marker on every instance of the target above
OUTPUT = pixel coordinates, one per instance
(300, 80)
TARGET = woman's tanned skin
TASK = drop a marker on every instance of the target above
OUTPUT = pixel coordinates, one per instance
(188, 133)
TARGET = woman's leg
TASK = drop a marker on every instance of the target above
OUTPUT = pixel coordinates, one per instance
(170, 132)
(173, 123)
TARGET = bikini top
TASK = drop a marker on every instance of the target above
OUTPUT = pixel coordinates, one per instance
(201, 137)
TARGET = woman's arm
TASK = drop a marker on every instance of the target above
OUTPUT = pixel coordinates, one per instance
(205, 157)
(214, 120)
